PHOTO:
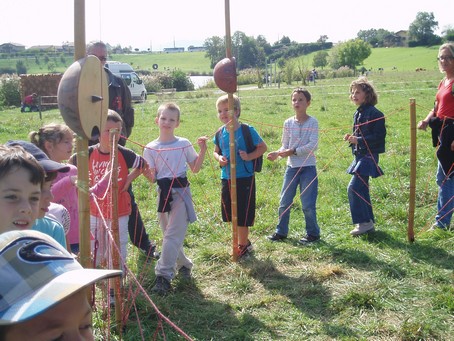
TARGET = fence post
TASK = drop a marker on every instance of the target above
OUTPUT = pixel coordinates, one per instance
(39, 107)
(411, 208)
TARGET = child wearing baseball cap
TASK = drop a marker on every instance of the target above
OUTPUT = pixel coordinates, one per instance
(42, 294)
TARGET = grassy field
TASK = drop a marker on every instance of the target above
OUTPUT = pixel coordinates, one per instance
(376, 287)
(402, 59)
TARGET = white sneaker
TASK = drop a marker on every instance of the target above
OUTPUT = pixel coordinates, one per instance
(436, 227)
(363, 228)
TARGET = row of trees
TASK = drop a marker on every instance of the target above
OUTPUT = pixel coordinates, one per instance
(420, 33)
(253, 52)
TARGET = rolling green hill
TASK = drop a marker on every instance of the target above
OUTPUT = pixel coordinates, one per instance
(403, 59)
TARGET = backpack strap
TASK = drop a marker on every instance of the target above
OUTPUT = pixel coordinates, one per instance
(217, 138)
(247, 138)
(246, 135)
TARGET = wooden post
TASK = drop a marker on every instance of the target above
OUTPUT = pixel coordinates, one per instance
(115, 228)
(82, 148)
(40, 101)
(231, 128)
(411, 208)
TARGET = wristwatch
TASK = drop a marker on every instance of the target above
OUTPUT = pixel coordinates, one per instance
(294, 151)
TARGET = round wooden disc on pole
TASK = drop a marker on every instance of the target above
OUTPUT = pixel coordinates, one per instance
(83, 97)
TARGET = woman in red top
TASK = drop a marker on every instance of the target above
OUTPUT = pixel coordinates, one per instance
(441, 120)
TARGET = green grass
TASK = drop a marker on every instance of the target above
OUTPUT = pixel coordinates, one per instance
(376, 287)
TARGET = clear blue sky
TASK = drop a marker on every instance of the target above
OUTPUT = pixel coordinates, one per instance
(156, 24)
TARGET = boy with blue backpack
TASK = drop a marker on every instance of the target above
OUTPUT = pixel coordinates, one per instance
(247, 162)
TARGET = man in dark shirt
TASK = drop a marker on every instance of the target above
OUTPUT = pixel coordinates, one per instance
(120, 101)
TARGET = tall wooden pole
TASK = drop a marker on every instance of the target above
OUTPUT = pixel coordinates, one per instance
(231, 128)
(115, 227)
(411, 208)
(82, 147)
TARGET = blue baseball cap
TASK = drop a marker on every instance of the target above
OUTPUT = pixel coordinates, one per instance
(48, 164)
(37, 273)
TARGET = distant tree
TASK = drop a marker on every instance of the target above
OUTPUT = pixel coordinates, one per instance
(181, 81)
(303, 71)
(237, 40)
(284, 41)
(374, 37)
(289, 70)
(261, 42)
(251, 55)
(448, 33)
(247, 51)
(46, 59)
(136, 49)
(421, 30)
(320, 59)
(350, 53)
(10, 92)
(37, 59)
(20, 67)
(215, 49)
(281, 63)
(323, 39)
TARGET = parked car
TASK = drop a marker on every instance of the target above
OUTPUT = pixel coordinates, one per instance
(135, 84)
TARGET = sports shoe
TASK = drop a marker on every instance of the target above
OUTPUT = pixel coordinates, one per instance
(363, 228)
(185, 273)
(276, 237)
(308, 239)
(162, 286)
(150, 251)
(436, 227)
(245, 250)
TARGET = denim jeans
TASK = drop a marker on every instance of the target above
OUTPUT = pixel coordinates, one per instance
(307, 180)
(445, 201)
(359, 199)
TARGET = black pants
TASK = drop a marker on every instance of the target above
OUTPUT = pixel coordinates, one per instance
(136, 229)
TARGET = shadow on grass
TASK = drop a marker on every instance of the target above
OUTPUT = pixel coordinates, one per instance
(418, 251)
(188, 309)
(306, 293)
(368, 259)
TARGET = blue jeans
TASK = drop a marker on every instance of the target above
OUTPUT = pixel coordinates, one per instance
(445, 201)
(307, 180)
(359, 199)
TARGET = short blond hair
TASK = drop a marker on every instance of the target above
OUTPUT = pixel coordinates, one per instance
(170, 106)
(446, 46)
(225, 99)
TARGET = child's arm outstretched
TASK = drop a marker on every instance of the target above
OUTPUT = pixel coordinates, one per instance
(197, 163)
(283, 151)
(149, 173)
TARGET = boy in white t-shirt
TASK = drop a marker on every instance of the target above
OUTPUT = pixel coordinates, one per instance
(168, 157)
